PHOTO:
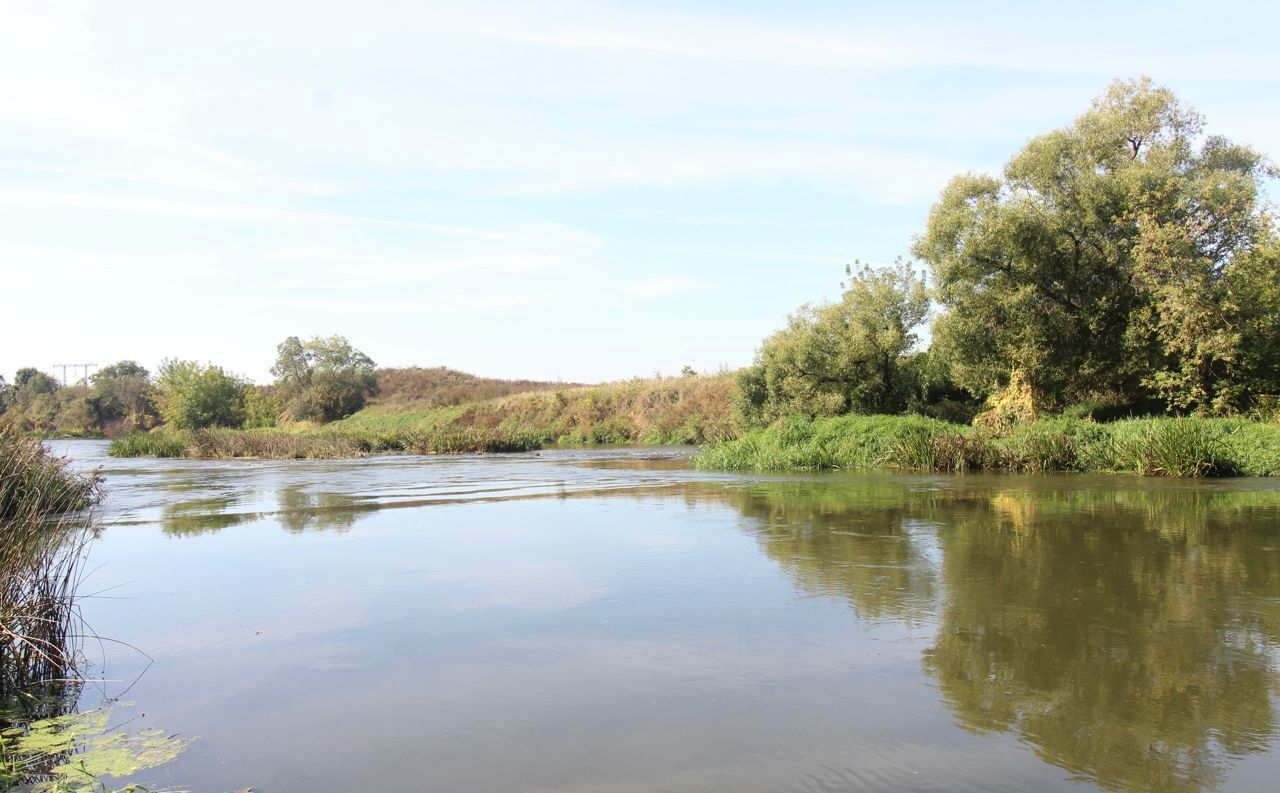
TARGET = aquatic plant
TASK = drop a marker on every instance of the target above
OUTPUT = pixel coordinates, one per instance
(77, 752)
(44, 748)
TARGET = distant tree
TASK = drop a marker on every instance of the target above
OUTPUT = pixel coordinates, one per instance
(23, 375)
(1121, 256)
(73, 415)
(38, 413)
(122, 393)
(293, 365)
(688, 371)
(191, 396)
(843, 357)
(6, 395)
(31, 384)
(322, 379)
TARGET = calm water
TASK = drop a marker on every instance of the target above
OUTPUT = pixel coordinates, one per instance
(599, 621)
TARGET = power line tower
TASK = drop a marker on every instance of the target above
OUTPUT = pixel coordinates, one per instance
(84, 367)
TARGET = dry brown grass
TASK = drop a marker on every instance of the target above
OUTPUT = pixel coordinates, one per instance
(443, 387)
(673, 410)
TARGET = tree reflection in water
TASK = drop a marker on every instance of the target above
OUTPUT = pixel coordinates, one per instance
(1126, 631)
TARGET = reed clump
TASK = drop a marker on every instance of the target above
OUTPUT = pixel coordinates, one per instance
(42, 539)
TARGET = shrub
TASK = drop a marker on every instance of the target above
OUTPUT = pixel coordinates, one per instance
(190, 396)
(850, 356)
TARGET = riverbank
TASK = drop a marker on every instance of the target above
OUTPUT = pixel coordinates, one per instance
(1182, 447)
(676, 410)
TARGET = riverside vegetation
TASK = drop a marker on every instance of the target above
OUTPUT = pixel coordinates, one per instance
(1183, 447)
(46, 745)
(677, 410)
(1123, 268)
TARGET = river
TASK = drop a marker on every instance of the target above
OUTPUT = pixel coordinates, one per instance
(611, 620)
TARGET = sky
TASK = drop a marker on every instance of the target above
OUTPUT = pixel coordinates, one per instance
(552, 190)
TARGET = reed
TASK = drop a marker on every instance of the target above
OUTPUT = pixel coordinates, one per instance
(42, 542)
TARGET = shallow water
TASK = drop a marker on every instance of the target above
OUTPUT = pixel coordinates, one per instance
(610, 620)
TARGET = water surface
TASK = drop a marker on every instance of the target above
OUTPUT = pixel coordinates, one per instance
(614, 621)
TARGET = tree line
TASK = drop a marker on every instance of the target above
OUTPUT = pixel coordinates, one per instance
(1126, 264)
(321, 379)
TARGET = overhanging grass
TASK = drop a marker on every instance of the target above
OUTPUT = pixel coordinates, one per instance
(1181, 447)
(845, 442)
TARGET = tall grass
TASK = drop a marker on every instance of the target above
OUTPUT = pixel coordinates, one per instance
(41, 546)
(45, 744)
(1177, 447)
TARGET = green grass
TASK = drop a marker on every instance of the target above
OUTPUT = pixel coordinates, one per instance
(315, 443)
(1179, 447)
(399, 419)
(845, 442)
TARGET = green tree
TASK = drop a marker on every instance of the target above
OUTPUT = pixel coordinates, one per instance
(25, 374)
(122, 393)
(1104, 260)
(30, 384)
(841, 357)
(322, 379)
(191, 396)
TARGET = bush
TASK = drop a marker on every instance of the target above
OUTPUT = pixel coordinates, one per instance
(261, 407)
(850, 356)
(193, 397)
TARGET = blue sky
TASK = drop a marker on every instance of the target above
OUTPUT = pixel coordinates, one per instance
(577, 191)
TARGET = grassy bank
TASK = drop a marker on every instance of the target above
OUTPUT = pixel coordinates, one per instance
(676, 410)
(1184, 447)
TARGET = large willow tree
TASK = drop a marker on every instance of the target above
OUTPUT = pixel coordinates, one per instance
(1125, 257)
